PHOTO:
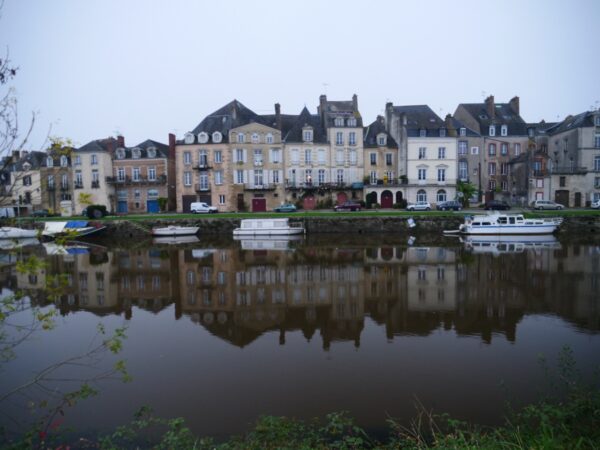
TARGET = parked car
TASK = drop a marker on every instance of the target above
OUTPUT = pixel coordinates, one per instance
(201, 207)
(546, 204)
(348, 206)
(496, 205)
(40, 213)
(596, 204)
(286, 207)
(454, 205)
(419, 206)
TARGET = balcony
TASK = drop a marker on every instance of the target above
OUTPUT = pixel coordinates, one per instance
(203, 166)
(569, 170)
(202, 187)
(309, 185)
(117, 180)
(64, 187)
(51, 187)
(77, 185)
(95, 184)
(259, 187)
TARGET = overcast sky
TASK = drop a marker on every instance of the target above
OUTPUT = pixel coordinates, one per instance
(146, 68)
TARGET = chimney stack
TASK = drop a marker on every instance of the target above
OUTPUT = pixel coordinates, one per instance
(449, 125)
(278, 116)
(490, 107)
(514, 104)
(355, 103)
(120, 141)
(321, 108)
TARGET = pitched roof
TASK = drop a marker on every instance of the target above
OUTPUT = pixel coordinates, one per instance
(503, 115)
(234, 114)
(420, 117)
(99, 145)
(330, 109)
(584, 119)
(305, 118)
(458, 124)
(35, 160)
(373, 130)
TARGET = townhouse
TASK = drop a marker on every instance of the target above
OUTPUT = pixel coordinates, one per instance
(25, 181)
(56, 181)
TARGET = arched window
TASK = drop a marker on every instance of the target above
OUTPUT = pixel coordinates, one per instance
(421, 195)
(217, 137)
(203, 137)
(441, 196)
(255, 138)
(492, 130)
(135, 153)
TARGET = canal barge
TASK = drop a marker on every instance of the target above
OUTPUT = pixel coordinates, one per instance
(499, 224)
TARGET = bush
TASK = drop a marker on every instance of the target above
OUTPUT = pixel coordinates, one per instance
(96, 211)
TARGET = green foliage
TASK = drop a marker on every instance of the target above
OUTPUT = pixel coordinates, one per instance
(468, 190)
(162, 203)
(96, 211)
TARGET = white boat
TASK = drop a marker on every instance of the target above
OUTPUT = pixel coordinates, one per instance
(497, 223)
(174, 240)
(174, 230)
(72, 228)
(16, 233)
(267, 242)
(497, 245)
(11, 244)
(267, 227)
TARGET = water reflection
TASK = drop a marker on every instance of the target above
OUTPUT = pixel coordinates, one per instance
(325, 288)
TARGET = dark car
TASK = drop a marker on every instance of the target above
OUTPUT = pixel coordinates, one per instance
(348, 206)
(286, 207)
(449, 205)
(40, 213)
(497, 205)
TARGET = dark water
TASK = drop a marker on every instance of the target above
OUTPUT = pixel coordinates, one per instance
(220, 332)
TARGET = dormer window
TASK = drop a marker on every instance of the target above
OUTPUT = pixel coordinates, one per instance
(307, 134)
(188, 138)
(339, 121)
(217, 137)
(202, 137)
(26, 166)
(422, 132)
(463, 131)
(121, 153)
(269, 138)
(255, 138)
(241, 138)
(492, 131)
(442, 132)
(382, 140)
(136, 153)
(152, 151)
(49, 161)
(351, 122)
(530, 132)
(503, 130)
(64, 162)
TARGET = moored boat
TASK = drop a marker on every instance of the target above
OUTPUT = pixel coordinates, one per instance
(175, 240)
(174, 230)
(16, 233)
(72, 228)
(497, 245)
(267, 227)
(497, 223)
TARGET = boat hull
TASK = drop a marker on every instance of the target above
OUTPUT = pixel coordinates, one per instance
(175, 231)
(508, 230)
(16, 233)
(272, 232)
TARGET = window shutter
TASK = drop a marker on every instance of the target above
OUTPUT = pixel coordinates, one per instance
(245, 155)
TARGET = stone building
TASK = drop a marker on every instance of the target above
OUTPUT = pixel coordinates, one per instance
(56, 179)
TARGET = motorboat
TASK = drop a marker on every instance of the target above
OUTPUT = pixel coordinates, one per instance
(268, 227)
(11, 244)
(174, 230)
(497, 223)
(498, 245)
(17, 233)
(175, 240)
(267, 242)
(72, 228)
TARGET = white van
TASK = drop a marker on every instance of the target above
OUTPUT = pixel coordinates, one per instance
(201, 207)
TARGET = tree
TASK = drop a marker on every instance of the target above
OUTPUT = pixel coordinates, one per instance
(465, 191)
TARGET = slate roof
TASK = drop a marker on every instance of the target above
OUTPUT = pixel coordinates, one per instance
(457, 125)
(585, 119)
(371, 132)
(419, 117)
(294, 133)
(504, 115)
(343, 108)
(34, 158)
(234, 114)
(99, 145)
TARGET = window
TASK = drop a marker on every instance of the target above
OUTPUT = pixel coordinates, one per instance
(255, 138)
(217, 137)
(597, 182)
(308, 176)
(258, 157)
(258, 177)
(382, 140)
(95, 177)
(597, 141)
(269, 138)
(204, 182)
(474, 150)
(137, 194)
(462, 131)
(307, 135)
(597, 121)
(187, 158)
(94, 159)
(339, 158)
(321, 156)
(241, 138)
(491, 168)
(321, 176)
(503, 130)
(422, 174)
(539, 183)
(441, 175)
(136, 153)
(218, 177)
(504, 169)
(77, 160)
(373, 158)
(352, 156)
(239, 176)
(202, 137)
(78, 178)
(441, 196)
(422, 152)
(422, 132)
(442, 132)
(64, 182)
(421, 195)
(136, 174)
(152, 173)
(275, 175)
(121, 174)
(373, 177)
(352, 138)
(295, 156)
(492, 130)
(492, 150)
(339, 122)
(340, 176)
(152, 193)
(462, 147)
(351, 122)
(388, 159)
(239, 155)
(203, 158)
(49, 161)
(339, 138)
(27, 180)
(187, 178)
(64, 162)
(596, 163)
(122, 195)
(463, 170)
(51, 181)
(517, 149)
(441, 152)
(504, 149)
(492, 185)
(504, 186)
(307, 156)
(275, 155)
(221, 199)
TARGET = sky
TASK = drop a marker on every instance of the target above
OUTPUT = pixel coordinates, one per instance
(145, 68)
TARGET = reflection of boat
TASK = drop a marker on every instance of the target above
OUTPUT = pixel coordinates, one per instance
(10, 244)
(16, 233)
(267, 242)
(498, 223)
(174, 230)
(510, 244)
(67, 249)
(174, 240)
(267, 227)
(72, 228)
(202, 252)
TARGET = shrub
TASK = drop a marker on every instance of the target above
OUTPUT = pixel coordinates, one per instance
(96, 211)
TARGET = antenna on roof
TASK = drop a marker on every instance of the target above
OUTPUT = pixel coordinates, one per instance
(325, 87)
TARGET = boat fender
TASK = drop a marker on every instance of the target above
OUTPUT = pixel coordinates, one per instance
(411, 222)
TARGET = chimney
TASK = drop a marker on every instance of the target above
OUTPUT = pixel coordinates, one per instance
(321, 108)
(381, 120)
(171, 146)
(450, 125)
(110, 146)
(171, 175)
(355, 103)
(278, 116)
(120, 141)
(514, 104)
(490, 107)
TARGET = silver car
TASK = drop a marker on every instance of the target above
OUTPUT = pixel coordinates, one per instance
(419, 206)
(546, 204)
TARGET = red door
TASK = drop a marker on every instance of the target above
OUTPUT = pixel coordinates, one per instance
(341, 197)
(309, 202)
(259, 204)
(387, 199)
